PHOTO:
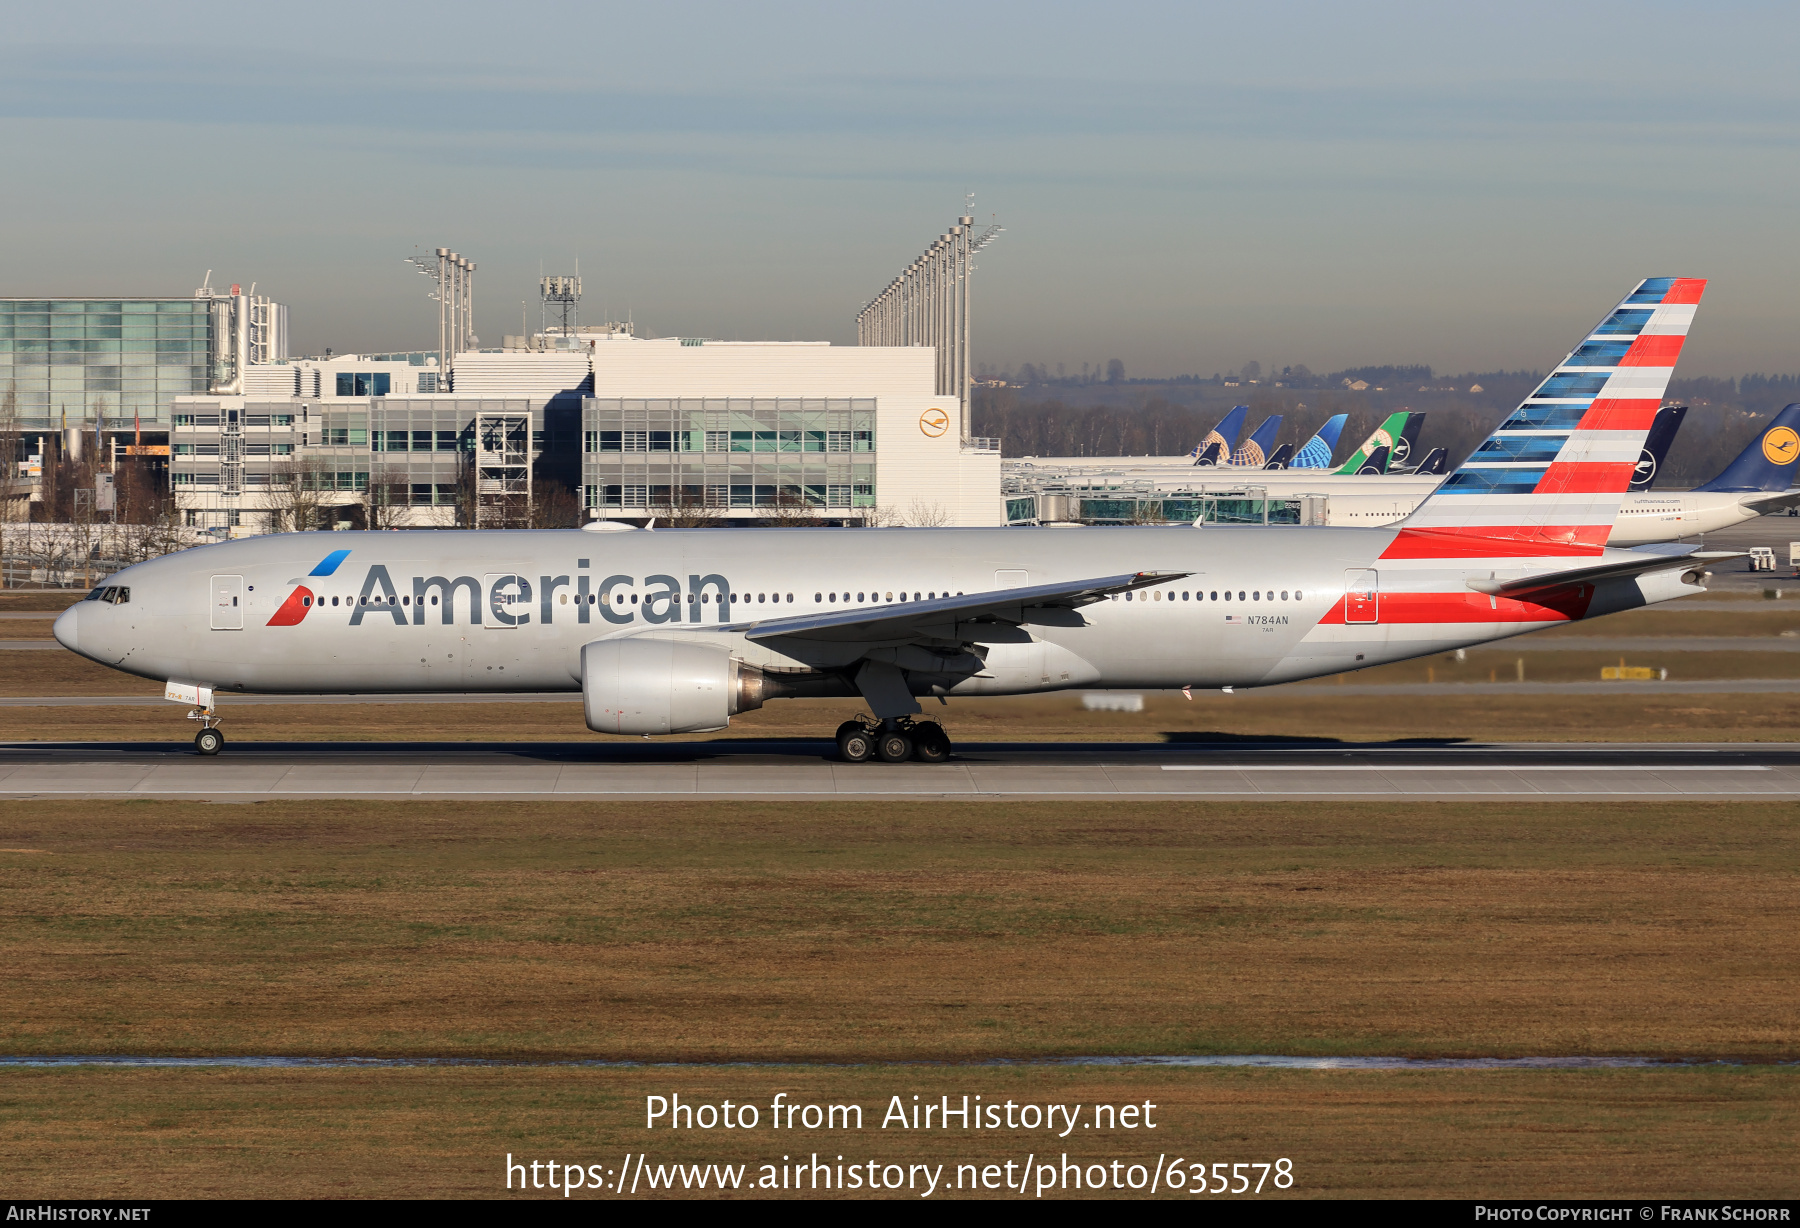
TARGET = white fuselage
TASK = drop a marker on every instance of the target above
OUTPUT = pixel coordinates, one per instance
(511, 610)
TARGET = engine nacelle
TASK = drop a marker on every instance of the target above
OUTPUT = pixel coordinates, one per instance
(664, 686)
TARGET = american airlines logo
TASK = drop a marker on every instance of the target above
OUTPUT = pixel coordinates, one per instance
(513, 600)
(300, 601)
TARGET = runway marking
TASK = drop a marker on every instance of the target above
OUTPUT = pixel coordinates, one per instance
(1471, 767)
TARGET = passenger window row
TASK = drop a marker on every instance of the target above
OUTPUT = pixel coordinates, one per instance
(1216, 595)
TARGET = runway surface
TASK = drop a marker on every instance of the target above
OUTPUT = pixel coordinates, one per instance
(804, 769)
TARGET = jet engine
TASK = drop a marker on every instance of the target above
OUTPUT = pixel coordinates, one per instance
(664, 686)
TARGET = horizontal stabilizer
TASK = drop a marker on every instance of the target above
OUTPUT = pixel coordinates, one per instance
(1621, 563)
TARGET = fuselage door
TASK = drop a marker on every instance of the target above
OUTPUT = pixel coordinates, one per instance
(1362, 596)
(507, 605)
(228, 603)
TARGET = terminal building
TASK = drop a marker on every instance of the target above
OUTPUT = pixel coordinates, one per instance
(632, 428)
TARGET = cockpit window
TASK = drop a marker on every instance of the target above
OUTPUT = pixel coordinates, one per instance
(112, 594)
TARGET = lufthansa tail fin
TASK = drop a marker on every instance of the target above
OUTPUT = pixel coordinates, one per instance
(1550, 479)
(1434, 465)
(1280, 459)
(1376, 464)
(1317, 452)
(1769, 462)
(1406, 444)
(1656, 445)
(1216, 447)
(1255, 452)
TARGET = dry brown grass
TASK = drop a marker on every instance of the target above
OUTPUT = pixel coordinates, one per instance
(849, 931)
(1632, 1134)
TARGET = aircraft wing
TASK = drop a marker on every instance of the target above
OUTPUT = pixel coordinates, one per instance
(889, 622)
(1658, 557)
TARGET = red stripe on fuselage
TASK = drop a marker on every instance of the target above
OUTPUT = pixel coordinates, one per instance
(293, 609)
(1497, 542)
(1564, 605)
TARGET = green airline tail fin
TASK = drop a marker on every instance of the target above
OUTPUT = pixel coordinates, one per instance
(1384, 437)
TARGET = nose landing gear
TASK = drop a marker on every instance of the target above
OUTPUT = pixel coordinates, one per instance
(893, 741)
(209, 741)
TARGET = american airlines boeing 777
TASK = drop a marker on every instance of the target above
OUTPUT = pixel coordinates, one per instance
(677, 631)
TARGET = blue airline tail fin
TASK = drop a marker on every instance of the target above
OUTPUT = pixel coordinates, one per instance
(1769, 462)
(1216, 447)
(1281, 457)
(1317, 452)
(1435, 465)
(1256, 449)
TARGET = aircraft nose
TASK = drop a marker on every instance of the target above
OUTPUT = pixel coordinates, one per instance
(64, 628)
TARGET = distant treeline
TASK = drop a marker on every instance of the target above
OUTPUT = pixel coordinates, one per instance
(1148, 418)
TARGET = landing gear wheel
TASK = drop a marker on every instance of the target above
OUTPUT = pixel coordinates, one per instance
(855, 743)
(209, 742)
(893, 747)
(849, 727)
(930, 743)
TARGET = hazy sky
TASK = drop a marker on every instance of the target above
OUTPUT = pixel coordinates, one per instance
(1184, 186)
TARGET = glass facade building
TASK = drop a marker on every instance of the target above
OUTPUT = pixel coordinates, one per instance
(729, 453)
(103, 360)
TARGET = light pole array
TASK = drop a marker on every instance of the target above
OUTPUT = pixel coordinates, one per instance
(928, 304)
(453, 279)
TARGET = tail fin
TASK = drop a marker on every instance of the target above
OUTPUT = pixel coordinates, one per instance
(1769, 462)
(1377, 463)
(1317, 452)
(1280, 459)
(1384, 436)
(1256, 449)
(1404, 444)
(1656, 445)
(1550, 479)
(1435, 464)
(1216, 447)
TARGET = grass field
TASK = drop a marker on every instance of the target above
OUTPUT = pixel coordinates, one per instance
(875, 934)
(846, 931)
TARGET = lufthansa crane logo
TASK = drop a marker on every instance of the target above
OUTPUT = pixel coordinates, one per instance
(934, 422)
(1781, 445)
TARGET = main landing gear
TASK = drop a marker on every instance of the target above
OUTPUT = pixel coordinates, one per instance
(893, 741)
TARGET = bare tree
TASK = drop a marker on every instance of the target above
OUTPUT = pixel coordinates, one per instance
(554, 506)
(294, 495)
(9, 456)
(687, 511)
(923, 515)
(790, 511)
(386, 499)
(881, 518)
